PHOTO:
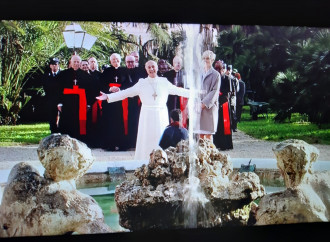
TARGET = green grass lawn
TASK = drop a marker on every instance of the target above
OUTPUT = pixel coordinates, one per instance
(264, 128)
(298, 128)
(23, 134)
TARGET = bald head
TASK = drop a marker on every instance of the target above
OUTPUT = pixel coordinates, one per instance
(130, 61)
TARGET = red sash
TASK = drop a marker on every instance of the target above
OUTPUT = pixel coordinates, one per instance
(82, 106)
(183, 105)
(124, 104)
(94, 110)
(226, 118)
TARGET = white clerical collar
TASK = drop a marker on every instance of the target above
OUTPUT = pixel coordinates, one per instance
(152, 78)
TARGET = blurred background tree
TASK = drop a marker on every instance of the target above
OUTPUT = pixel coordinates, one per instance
(286, 66)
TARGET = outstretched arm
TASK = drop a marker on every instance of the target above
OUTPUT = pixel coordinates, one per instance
(174, 90)
(120, 95)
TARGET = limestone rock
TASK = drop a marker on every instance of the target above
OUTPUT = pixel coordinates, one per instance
(307, 197)
(301, 204)
(63, 157)
(294, 159)
(161, 188)
(33, 205)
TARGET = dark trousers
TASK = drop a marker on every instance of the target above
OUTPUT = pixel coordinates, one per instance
(233, 117)
(239, 109)
(52, 118)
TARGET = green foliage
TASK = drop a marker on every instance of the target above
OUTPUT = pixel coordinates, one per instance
(286, 66)
(162, 45)
(24, 45)
(23, 134)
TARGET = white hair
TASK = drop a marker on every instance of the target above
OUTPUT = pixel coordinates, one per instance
(115, 55)
(129, 56)
(208, 53)
(133, 52)
(76, 56)
(151, 61)
(177, 58)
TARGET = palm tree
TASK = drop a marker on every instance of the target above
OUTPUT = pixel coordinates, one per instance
(24, 45)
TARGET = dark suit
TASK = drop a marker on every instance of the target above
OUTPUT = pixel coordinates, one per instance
(51, 87)
(240, 100)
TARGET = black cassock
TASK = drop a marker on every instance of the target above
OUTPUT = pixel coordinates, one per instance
(95, 113)
(134, 105)
(112, 113)
(176, 78)
(51, 86)
(76, 94)
(223, 137)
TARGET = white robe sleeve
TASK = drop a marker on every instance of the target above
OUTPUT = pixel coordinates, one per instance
(174, 90)
(120, 95)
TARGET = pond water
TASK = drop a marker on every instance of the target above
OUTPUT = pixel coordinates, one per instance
(104, 196)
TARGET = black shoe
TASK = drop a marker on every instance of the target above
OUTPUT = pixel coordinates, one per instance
(234, 130)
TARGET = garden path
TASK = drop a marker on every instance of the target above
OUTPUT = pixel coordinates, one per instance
(244, 147)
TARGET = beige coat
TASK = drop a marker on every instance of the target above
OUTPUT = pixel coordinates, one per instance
(208, 116)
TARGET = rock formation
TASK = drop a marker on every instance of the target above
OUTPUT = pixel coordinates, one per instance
(157, 197)
(34, 205)
(306, 198)
(64, 158)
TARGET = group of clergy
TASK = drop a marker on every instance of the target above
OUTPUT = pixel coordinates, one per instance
(128, 107)
(74, 110)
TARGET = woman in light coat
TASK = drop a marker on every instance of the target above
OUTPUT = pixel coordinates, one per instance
(210, 86)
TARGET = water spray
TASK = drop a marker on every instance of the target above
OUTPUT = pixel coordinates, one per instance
(194, 198)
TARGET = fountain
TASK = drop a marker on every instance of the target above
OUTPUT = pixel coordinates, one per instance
(187, 186)
(155, 198)
(193, 196)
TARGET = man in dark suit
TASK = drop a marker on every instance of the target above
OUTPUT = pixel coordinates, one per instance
(234, 88)
(51, 87)
(240, 97)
